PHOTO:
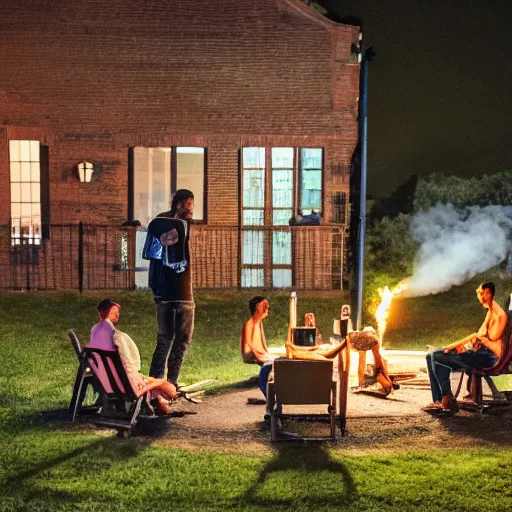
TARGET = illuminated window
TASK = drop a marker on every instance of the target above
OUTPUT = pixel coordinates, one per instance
(311, 180)
(159, 172)
(25, 170)
(277, 183)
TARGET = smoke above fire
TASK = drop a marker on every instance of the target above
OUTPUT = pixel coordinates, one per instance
(455, 246)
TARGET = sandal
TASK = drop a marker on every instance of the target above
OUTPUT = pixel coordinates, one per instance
(434, 406)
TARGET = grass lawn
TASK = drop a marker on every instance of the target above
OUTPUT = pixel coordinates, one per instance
(47, 465)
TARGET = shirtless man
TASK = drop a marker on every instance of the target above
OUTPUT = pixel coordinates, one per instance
(481, 349)
(253, 343)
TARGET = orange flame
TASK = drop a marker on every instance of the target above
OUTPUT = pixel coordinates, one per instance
(382, 313)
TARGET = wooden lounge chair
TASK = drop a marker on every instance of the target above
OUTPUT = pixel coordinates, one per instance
(502, 367)
(122, 406)
(84, 378)
(298, 382)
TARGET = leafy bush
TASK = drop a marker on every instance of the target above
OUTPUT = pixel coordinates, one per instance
(390, 252)
(461, 192)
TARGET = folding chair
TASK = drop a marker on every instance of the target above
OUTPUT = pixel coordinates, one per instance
(502, 367)
(85, 376)
(298, 382)
(121, 403)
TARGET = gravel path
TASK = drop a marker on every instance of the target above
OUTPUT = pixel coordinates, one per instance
(226, 422)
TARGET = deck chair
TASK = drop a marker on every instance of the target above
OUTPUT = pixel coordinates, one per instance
(122, 407)
(502, 367)
(86, 377)
(298, 382)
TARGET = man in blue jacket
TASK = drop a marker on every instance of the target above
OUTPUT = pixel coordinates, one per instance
(167, 248)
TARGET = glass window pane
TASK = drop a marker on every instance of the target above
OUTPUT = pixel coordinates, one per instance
(253, 157)
(282, 158)
(15, 192)
(25, 193)
(26, 212)
(34, 151)
(25, 171)
(252, 277)
(281, 248)
(159, 165)
(281, 278)
(15, 210)
(14, 150)
(254, 189)
(35, 171)
(282, 189)
(190, 175)
(252, 247)
(24, 151)
(35, 192)
(281, 217)
(36, 213)
(311, 158)
(311, 192)
(152, 182)
(15, 171)
(253, 218)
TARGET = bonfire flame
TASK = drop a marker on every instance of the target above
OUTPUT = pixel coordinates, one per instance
(382, 313)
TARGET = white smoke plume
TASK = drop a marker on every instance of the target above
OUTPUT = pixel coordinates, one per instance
(456, 246)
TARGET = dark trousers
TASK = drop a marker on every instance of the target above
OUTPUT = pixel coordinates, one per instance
(440, 366)
(175, 329)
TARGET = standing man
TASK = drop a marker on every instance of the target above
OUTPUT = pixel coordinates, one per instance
(170, 279)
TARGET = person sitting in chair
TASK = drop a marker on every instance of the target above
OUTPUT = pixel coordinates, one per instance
(253, 344)
(105, 336)
(481, 349)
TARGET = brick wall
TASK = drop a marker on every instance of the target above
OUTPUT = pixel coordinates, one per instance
(92, 79)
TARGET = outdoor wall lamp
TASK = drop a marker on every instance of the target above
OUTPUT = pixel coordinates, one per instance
(85, 171)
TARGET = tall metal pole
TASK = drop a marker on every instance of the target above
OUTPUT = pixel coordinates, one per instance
(366, 56)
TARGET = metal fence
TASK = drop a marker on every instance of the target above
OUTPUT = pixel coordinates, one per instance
(70, 256)
(91, 257)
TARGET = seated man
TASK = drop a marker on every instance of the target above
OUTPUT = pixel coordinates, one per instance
(481, 349)
(253, 343)
(105, 336)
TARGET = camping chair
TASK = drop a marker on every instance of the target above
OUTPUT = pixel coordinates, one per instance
(86, 377)
(502, 367)
(121, 404)
(298, 382)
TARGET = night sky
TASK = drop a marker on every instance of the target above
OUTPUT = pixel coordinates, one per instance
(440, 88)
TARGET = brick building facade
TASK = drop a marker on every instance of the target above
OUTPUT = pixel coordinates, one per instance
(252, 104)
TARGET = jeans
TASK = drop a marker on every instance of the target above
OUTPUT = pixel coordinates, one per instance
(265, 370)
(440, 366)
(175, 328)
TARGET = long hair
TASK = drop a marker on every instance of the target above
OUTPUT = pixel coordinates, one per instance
(180, 195)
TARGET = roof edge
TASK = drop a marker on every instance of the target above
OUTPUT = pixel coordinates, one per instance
(314, 15)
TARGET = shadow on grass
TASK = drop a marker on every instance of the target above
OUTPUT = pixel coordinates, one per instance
(493, 428)
(104, 450)
(308, 460)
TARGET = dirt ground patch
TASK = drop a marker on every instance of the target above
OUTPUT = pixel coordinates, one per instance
(225, 422)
